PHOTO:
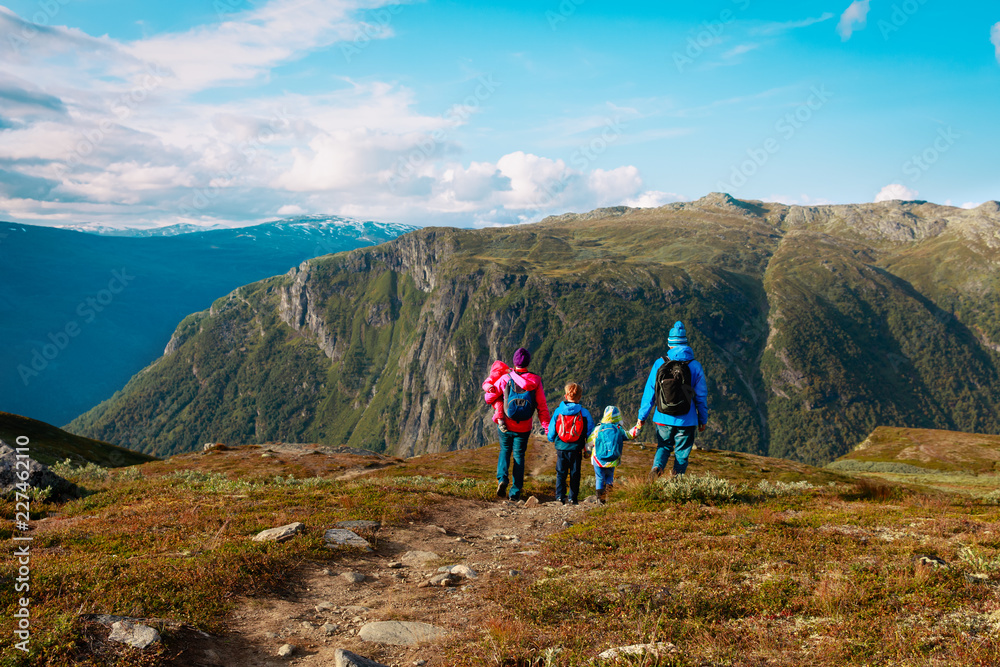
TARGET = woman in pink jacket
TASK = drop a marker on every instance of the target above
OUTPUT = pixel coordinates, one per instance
(520, 394)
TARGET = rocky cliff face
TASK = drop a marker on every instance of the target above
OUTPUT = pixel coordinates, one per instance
(814, 325)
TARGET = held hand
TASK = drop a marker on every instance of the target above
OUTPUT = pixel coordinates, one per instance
(701, 428)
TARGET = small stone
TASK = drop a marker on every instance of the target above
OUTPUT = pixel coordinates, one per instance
(513, 573)
(281, 533)
(932, 561)
(531, 502)
(438, 529)
(464, 571)
(344, 658)
(136, 635)
(418, 558)
(400, 633)
(267, 455)
(338, 537)
(356, 609)
(326, 572)
(352, 577)
(566, 524)
(395, 565)
(324, 606)
(446, 579)
(286, 651)
(424, 584)
(656, 650)
(308, 625)
(419, 663)
(271, 635)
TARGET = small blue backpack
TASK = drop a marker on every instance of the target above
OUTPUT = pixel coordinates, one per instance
(608, 443)
(518, 404)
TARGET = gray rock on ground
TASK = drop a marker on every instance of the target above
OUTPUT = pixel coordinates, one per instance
(400, 633)
(281, 533)
(418, 558)
(135, 635)
(39, 475)
(353, 577)
(446, 579)
(463, 571)
(656, 650)
(339, 537)
(531, 502)
(344, 658)
(287, 651)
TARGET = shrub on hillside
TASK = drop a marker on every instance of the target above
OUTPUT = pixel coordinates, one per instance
(869, 488)
(698, 488)
(779, 488)
(90, 472)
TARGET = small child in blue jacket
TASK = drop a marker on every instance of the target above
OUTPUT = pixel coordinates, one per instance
(569, 428)
(607, 441)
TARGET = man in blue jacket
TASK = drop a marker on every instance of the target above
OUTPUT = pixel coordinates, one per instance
(679, 396)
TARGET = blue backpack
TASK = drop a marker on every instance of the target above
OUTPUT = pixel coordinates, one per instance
(518, 404)
(608, 443)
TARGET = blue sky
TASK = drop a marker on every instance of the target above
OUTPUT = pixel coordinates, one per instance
(209, 111)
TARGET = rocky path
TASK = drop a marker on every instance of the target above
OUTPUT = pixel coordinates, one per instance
(353, 603)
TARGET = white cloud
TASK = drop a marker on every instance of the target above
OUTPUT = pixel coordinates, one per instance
(896, 191)
(972, 204)
(995, 39)
(739, 50)
(253, 42)
(654, 199)
(780, 27)
(291, 209)
(113, 132)
(854, 18)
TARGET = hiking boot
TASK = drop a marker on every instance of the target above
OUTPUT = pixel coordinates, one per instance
(600, 496)
(654, 474)
(561, 501)
(501, 489)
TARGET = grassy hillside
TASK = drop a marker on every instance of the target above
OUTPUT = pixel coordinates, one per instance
(747, 561)
(815, 325)
(50, 445)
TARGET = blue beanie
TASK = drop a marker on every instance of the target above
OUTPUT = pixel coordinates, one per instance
(678, 335)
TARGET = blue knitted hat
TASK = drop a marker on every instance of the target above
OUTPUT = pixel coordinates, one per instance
(678, 335)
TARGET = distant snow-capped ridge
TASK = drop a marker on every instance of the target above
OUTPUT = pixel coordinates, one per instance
(309, 223)
(169, 230)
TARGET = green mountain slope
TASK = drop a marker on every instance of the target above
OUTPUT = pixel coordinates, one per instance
(48, 444)
(814, 326)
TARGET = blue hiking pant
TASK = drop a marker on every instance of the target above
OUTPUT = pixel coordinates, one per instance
(677, 440)
(604, 477)
(568, 463)
(515, 444)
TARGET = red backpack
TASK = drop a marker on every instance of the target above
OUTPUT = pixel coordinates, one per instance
(570, 428)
